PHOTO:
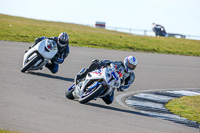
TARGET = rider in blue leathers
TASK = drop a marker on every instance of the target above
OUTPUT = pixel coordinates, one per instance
(63, 50)
(159, 30)
(125, 67)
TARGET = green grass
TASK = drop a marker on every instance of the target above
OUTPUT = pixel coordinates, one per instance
(26, 30)
(187, 107)
(6, 131)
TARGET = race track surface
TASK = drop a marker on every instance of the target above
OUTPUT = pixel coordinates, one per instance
(35, 102)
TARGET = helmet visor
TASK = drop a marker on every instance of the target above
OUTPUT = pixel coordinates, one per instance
(130, 66)
(62, 42)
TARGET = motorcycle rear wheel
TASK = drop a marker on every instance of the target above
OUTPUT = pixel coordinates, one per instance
(31, 63)
(96, 92)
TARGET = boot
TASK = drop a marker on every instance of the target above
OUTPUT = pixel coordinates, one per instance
(53, 67)
(109, 98)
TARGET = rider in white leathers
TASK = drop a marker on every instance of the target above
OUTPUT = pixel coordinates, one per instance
(125, 68)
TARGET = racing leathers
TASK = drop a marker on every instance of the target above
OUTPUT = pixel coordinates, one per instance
(59, 57)
(159, 30)
(126, 80)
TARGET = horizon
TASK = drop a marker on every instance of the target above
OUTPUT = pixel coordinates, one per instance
(177, 16)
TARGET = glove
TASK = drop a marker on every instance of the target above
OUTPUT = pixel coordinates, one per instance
(39, 39)
(95, 61)
(105, 63)
(36, 39)
(122, 88)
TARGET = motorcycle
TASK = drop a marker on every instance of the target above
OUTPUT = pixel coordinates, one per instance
(40, 54)
(96, 84)
(159, 31)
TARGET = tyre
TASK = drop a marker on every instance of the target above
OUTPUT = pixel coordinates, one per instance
(68, 93)
(87, 96)
(31, 63)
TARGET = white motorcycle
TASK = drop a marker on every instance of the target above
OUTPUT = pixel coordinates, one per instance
(36, 57)
(97, 84)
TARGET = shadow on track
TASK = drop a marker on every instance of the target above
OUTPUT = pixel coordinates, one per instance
(51, 76)
(116, 109)
(194, 125)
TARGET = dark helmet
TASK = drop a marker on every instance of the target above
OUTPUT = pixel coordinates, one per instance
(62, 39)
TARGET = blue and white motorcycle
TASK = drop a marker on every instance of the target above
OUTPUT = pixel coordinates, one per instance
(38, 55)
(96, 84)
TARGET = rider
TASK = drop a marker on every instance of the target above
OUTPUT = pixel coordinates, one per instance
(159, 30)
(63, 50)
(126, 68)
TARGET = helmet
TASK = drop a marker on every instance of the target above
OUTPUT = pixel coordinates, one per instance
(62, 39)
(130, 62)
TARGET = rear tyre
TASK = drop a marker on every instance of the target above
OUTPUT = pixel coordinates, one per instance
(31, 63)
(91, 95)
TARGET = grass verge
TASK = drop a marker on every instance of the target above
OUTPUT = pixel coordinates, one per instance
(26, 30)
(187, 107)
(6, 131)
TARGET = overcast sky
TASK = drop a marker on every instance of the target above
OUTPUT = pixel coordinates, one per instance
(177, 16)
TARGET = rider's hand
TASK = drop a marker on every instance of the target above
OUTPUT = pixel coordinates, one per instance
(37, 40)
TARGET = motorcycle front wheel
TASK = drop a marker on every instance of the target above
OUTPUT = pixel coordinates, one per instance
(68, 92)
(87, 96)
(31, 63)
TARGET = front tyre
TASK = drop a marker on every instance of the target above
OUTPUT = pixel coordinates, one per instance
(68, 93)
(31, 63)
(87, 96)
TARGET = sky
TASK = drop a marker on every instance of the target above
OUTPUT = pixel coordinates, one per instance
(177, 16)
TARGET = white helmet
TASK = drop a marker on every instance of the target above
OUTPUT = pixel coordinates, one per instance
(130, 62)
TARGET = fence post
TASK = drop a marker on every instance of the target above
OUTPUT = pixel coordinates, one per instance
(145, 31)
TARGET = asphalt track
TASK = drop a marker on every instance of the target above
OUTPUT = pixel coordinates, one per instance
(35, 102)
